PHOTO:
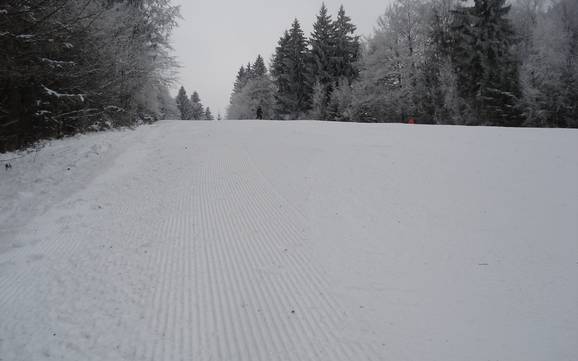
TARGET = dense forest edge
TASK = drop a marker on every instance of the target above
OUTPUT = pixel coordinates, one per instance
(485, 62)
(71, 66)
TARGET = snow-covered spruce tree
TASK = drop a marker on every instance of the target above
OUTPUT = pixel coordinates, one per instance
(321, 58)
(197, 109)
(250, 74)
(281, 75)
(487, 72)
(290, 74)
(258, 92)
(441, 100)
(347, 48)
(259, 68)
(184, 105)
(240, 82)
(344, 68)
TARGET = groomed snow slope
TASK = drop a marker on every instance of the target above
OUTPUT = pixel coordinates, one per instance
(266, 241)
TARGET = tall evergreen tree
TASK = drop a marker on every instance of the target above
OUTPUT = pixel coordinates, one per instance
(487, 72)
(250, 74)
(184, 105)
(280, 70)
(259, 68)
(256, 92)
(322, 57)
(443, 103)
(198, 112)
(347, 48)
(240, 82)
(290, 72)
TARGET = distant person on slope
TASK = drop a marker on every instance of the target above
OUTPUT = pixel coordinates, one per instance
(260, 113)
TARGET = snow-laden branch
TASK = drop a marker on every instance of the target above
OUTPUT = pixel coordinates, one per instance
(114, 108)
(57, 63)
(60, 95)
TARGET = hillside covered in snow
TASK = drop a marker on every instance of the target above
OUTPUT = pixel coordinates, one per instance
(270, 241)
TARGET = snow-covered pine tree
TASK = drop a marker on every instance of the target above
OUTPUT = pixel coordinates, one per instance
(240, 82)
(347, 48)
(259, 68)
(250, 74)
(280, 74)
(290, 74)
(198, 112)
(487, 72)
(439, 78)
(184, 104)
(258, 91)
(321, 59)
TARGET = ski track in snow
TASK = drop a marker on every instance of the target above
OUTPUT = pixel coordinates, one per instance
(224, 276)
(183, 249)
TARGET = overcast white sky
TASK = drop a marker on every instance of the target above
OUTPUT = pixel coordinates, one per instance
(216, 37)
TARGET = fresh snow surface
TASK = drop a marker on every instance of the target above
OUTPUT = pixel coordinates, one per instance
(279, 241)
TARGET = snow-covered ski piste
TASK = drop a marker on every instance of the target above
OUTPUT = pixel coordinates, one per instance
(292, 241)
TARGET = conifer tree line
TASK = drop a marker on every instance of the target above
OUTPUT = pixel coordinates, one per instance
(192, 108)
(68, 66)
(303, 72)
(486, 62)
(253, 92)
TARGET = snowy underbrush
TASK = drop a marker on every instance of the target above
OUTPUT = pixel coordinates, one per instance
(34, 179)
